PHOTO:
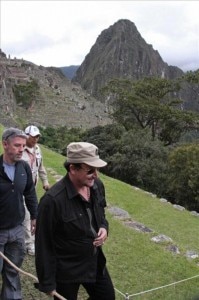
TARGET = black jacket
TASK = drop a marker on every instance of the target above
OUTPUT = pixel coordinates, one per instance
(12, 210)
(64, 236)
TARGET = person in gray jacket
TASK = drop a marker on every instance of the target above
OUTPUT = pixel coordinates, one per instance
(33, 156)
(16, 184)
(72, 228)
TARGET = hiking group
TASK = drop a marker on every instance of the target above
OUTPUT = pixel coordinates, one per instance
(65, 231)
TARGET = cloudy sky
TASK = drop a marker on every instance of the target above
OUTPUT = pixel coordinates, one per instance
(61, 33)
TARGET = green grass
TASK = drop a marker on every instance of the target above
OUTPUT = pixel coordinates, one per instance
(136, 263)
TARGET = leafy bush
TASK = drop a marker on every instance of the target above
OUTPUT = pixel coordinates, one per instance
(58, 138)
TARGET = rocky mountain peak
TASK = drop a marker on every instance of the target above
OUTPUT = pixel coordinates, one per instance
(121, 52)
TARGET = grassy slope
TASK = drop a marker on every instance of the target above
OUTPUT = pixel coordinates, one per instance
(136, 264)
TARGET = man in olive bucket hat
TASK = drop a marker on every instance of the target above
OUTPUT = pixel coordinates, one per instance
(71, 229)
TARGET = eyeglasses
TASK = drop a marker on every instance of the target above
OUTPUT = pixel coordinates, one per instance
(89, 171)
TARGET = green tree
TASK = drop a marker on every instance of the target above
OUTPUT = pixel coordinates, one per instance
(184, 176)
(150, 103)
(106, 138)
(192, 77)
(141, 162)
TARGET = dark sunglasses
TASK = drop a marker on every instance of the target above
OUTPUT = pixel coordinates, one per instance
(89, 171)
(20, 133)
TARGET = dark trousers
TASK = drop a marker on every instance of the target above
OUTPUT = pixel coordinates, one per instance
(102, 289)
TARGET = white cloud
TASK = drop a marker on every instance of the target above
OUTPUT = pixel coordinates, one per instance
(61, 33)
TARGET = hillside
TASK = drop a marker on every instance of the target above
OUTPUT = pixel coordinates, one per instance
(44, 96)
(135, 262)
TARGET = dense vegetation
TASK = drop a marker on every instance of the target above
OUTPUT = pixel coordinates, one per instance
(152, 144)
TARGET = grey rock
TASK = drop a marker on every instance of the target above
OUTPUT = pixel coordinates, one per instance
(163, 200)
(161, 238)
(192, 254)
(138, 226)
(172, 248)
(119, 213)
(179, 207)
(194, 213)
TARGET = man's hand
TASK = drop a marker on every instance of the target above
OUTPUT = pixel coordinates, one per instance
(33, 226)
(102, 236)
(46, 187)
